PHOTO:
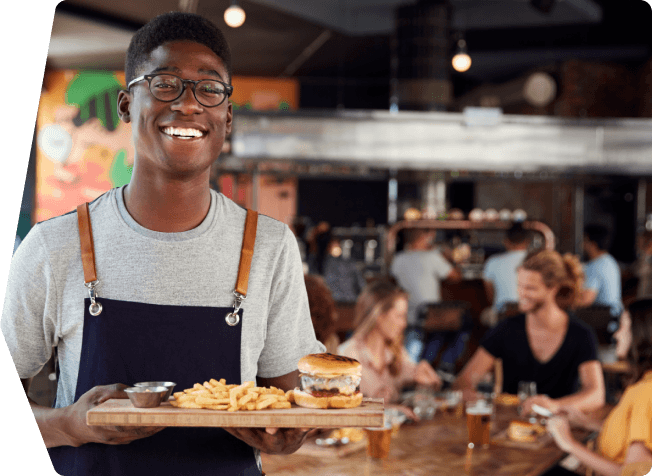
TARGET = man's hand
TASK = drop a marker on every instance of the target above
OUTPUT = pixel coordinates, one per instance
(80, 433)
(274, 441)
(426, 375)
(541, 400)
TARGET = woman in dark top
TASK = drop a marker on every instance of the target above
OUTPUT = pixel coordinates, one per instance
(545, 344)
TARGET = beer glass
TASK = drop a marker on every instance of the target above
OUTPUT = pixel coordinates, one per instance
(478, 422)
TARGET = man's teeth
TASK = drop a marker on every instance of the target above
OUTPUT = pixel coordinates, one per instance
(182, 132)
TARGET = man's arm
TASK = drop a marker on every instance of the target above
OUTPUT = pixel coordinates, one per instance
(67, 426)
(481, 362)
(591, 396)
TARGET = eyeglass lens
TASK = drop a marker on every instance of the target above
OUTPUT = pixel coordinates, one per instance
(167, 87)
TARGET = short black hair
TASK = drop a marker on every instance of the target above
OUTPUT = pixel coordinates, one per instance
(175, 26)
(598, 234)
(517, 234)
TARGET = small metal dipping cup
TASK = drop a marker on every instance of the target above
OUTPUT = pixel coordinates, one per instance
(169, 385)
(146, 397)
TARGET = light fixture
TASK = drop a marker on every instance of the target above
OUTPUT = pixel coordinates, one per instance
(461, 60)
(234, 16)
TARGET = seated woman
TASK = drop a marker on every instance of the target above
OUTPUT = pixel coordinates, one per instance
(625, 441)
(377, 343)
(543, 344)
(322, 312)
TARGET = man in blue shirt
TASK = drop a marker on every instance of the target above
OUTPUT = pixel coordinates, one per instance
(499, 273)
(602, 274)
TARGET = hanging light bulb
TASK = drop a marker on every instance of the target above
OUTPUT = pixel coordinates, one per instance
(461, 60)
(234, 16)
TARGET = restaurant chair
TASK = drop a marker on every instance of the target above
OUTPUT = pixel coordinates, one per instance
(448, 317)
(510, 309)
(600, 319)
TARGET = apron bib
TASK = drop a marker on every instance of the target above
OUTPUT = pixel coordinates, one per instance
(129, 342)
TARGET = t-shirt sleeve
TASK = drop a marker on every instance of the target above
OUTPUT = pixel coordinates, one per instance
(290, 333)
(592, 280)
(29, 322)
(587, 344)
(489, 272)
(495, 340)
(441, 266)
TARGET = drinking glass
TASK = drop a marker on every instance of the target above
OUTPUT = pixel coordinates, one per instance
(478, 422)
(526, 390)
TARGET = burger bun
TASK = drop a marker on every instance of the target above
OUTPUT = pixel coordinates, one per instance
(304, 399)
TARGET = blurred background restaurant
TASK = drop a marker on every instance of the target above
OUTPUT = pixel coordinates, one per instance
(357, 120)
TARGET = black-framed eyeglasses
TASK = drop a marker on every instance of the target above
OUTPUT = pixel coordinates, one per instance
(169, 87)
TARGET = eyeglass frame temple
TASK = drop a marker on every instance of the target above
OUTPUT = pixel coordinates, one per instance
(228, 89)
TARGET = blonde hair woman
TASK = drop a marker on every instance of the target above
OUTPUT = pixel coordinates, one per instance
(544, 344)
(377, 343)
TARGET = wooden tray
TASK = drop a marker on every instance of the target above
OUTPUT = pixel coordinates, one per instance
(122, 412)
(503, 439)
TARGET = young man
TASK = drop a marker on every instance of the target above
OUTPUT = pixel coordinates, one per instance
(166, 252)
(602, 274)
(544, 344)
(500, 272)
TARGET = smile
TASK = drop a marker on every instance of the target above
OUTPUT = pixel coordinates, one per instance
(182, 132)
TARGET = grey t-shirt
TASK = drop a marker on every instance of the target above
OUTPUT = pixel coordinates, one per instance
(44, 302)
(420, 273)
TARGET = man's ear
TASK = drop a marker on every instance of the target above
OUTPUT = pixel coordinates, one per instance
(229, 118)
(124, 103)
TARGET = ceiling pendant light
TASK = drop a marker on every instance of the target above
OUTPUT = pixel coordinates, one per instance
(234, 16)
(461, 60)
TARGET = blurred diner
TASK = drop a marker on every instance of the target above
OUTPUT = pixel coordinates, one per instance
(544, 344)
(377, 343)
(420, 269)
(499, 274)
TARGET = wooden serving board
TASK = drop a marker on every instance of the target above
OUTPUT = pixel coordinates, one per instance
(121, 412)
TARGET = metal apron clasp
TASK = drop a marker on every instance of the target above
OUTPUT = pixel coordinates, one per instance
(233, 318)
(95, 308)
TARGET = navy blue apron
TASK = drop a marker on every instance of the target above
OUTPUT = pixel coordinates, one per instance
(129, 342)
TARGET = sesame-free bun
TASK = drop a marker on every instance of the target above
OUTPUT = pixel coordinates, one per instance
(304, 399)
(329, 365)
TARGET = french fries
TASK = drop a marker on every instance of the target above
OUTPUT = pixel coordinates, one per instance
(217, 395)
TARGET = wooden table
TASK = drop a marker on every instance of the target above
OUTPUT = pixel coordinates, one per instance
(428, 448)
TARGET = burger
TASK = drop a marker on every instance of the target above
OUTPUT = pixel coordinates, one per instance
(329, 381)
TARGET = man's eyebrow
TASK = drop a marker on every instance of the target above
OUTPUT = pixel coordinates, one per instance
(166, 68)
(212, 72)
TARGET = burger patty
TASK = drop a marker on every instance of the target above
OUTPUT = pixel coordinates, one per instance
(345, 385)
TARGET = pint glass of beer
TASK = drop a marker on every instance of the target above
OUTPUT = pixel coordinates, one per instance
(478, 422)
(378, 440)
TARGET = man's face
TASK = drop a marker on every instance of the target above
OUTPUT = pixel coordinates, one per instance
(533, 294)
(154, 123)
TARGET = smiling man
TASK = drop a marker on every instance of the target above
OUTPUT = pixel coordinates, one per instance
(156, 291)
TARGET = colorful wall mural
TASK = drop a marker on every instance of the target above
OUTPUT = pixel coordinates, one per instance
(83, 149)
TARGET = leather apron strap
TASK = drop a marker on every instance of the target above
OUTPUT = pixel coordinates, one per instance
(247, 252)
(86, 241)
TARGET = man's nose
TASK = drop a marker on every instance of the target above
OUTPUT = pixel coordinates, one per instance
(187, 103)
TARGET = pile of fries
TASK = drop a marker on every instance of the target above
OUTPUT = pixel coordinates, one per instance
(217, 395)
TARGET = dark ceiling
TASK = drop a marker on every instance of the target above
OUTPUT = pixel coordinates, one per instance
(352, 66)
